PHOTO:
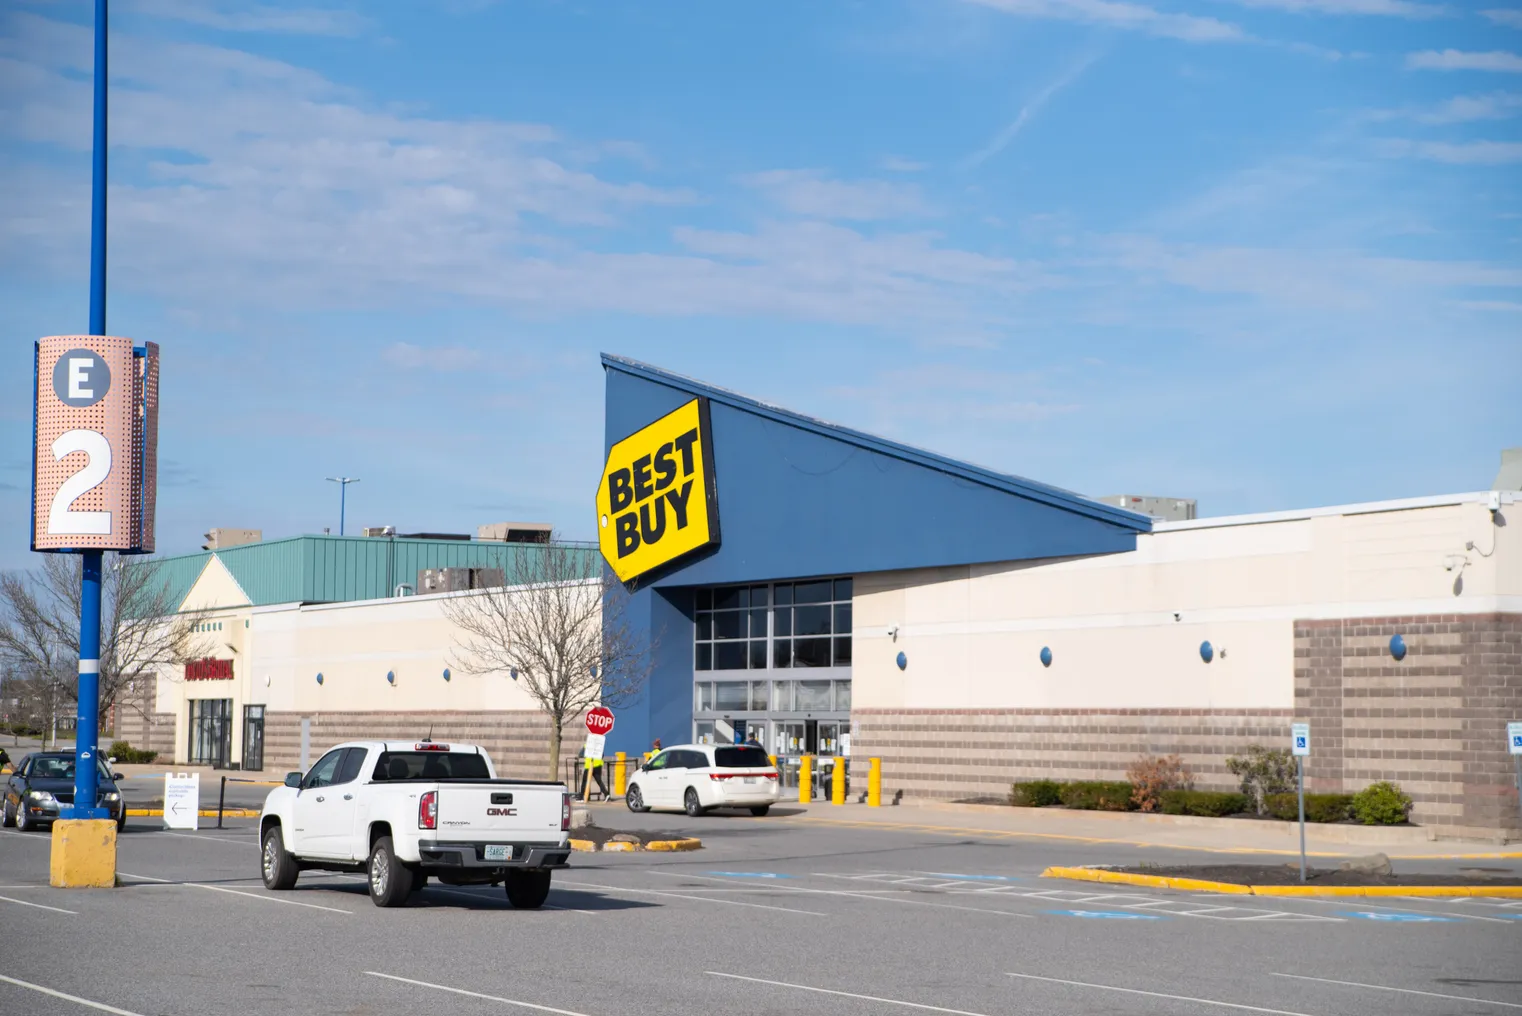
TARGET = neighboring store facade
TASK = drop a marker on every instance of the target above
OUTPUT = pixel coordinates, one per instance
(856, 596)
(353, 668)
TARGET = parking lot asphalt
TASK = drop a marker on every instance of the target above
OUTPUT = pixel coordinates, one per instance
(775, 915)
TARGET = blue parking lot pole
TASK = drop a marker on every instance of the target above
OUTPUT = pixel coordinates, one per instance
(86, 782)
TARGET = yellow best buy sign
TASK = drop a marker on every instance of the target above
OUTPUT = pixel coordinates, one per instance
(657, 499)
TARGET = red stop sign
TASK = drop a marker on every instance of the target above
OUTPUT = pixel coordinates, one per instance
(599, 720)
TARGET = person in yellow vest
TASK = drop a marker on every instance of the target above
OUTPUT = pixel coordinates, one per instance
(594, 765)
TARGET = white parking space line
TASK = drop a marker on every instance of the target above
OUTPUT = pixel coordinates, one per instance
(237, 892)
(843, 994)
(39, 906)
(700, 899)
(1159, 994)
(1344, 901)
(103, 1007)
(869, 894)
(1404, 991)
(475, 994)
(209, 839)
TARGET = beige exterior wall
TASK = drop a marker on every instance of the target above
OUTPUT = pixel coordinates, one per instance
(973, 635)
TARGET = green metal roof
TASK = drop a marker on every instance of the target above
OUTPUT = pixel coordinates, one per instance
(335, 569)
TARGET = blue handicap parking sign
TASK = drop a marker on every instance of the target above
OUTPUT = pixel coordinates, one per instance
(1111, 915)
(1368, 915)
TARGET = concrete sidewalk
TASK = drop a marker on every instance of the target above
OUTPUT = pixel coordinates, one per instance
(1180, 832)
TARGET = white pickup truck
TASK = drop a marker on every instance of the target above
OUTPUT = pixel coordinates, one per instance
(402, 811)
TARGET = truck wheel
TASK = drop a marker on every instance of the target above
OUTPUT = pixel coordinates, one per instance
(390, 879)
(527, 890)
(278, 868)
(760, 809)
(634, 799)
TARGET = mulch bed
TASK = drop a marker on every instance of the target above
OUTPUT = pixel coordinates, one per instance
(1289, 874)
(599, 835)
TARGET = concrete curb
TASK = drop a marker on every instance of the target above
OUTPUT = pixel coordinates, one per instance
(1200, 885)
(590, 846)
(204, 813)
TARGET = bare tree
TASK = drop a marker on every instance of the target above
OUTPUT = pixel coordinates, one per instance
(558, 625)
(141, 632)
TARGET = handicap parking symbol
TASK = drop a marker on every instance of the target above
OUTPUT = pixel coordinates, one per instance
(1111, 915)
(1398, 917)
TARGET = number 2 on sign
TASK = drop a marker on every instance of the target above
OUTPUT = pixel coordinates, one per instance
(61, 521)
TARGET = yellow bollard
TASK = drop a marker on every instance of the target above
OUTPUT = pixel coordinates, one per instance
(805, 779)
(84, 854)
(838, 782)
(875, 783)
(620, 773)
(774, 760)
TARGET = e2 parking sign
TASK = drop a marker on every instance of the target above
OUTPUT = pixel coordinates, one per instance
(95, 438)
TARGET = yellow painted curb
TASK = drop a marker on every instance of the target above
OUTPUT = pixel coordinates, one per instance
(691, 844)
(204, 813)
(620, 846)
(1199, 885)
(1151, 881)
(586, 846)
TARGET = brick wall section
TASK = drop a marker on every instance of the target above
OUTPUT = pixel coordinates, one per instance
(961, 753)
(1434, 722)
(518, 741)
(139, 725)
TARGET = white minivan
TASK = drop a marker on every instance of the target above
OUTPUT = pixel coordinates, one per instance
(698, 777)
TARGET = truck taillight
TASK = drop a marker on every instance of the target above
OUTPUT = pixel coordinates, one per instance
(428, 810)
(565, 812)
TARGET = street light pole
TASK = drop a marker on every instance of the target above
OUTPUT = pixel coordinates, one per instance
(343, 489)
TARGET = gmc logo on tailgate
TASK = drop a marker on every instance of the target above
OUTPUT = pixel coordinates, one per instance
(497, 812)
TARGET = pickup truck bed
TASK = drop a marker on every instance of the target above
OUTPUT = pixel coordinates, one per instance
(401, 812)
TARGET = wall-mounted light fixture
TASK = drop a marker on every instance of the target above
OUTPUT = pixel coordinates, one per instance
(391, 677)
(1207, 652)
(319, 678)
(902, 661)
(1046, 656)
(513, 673)
(1397, 647)
(893, 633)
(446, 673)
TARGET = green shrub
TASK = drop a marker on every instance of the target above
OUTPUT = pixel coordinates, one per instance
(1035, 794)
(125, 753)
(1098, 795)
(1381, 803)
(1210, 803)
(1263, 772)
(1318, 807)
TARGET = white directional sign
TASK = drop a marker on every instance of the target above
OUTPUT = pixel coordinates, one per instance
(1300, 738)
(595, 745)
(1514, 738)
(182, 800)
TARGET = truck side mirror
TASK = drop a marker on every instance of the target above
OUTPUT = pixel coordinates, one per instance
(293, 780)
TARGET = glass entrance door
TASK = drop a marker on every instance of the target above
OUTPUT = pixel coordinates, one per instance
(211, 732)
(253, 737)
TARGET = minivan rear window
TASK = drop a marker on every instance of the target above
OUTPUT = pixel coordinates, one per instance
(429, 765)
(740, 758)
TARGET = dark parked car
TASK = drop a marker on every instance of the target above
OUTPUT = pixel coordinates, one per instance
(43, 781)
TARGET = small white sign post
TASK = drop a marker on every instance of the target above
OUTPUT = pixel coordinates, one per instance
(1514, 745)
(1300, 746)
(182, 800)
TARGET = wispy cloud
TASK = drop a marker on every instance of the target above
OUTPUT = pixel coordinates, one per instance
(445, 359)
(1389, 8)
(239, 17)
(1461, 153)
(899, 164)
(1460, 109)
(1459, 60)
(812, 194)
(1510, 18)
(1122, 14)
(1500, 306)
(1001, 140)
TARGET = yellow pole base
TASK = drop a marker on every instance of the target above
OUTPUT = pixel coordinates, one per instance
(838, 781)
(84, 854)
(875, 783)
(620, 774)
(805, 779)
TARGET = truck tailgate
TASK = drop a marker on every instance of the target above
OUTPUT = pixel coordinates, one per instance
(501, 813)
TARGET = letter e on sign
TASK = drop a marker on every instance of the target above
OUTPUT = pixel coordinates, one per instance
(657, 499)
(94, 452)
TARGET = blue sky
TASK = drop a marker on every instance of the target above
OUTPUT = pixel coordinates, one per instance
(1264, 253)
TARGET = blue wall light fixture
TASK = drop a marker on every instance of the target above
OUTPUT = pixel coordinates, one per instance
(1397, 647)
(446, 673)
(391, 677)
(319, 678)
(1207, 651)
(902, 661)
(1046, 656)
(513, 673)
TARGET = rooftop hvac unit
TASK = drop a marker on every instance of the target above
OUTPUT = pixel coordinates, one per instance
(455, 580)
(380, 531)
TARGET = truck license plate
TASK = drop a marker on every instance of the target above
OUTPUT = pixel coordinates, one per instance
(499, 852)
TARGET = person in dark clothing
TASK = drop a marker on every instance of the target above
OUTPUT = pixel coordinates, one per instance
(596, 769)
